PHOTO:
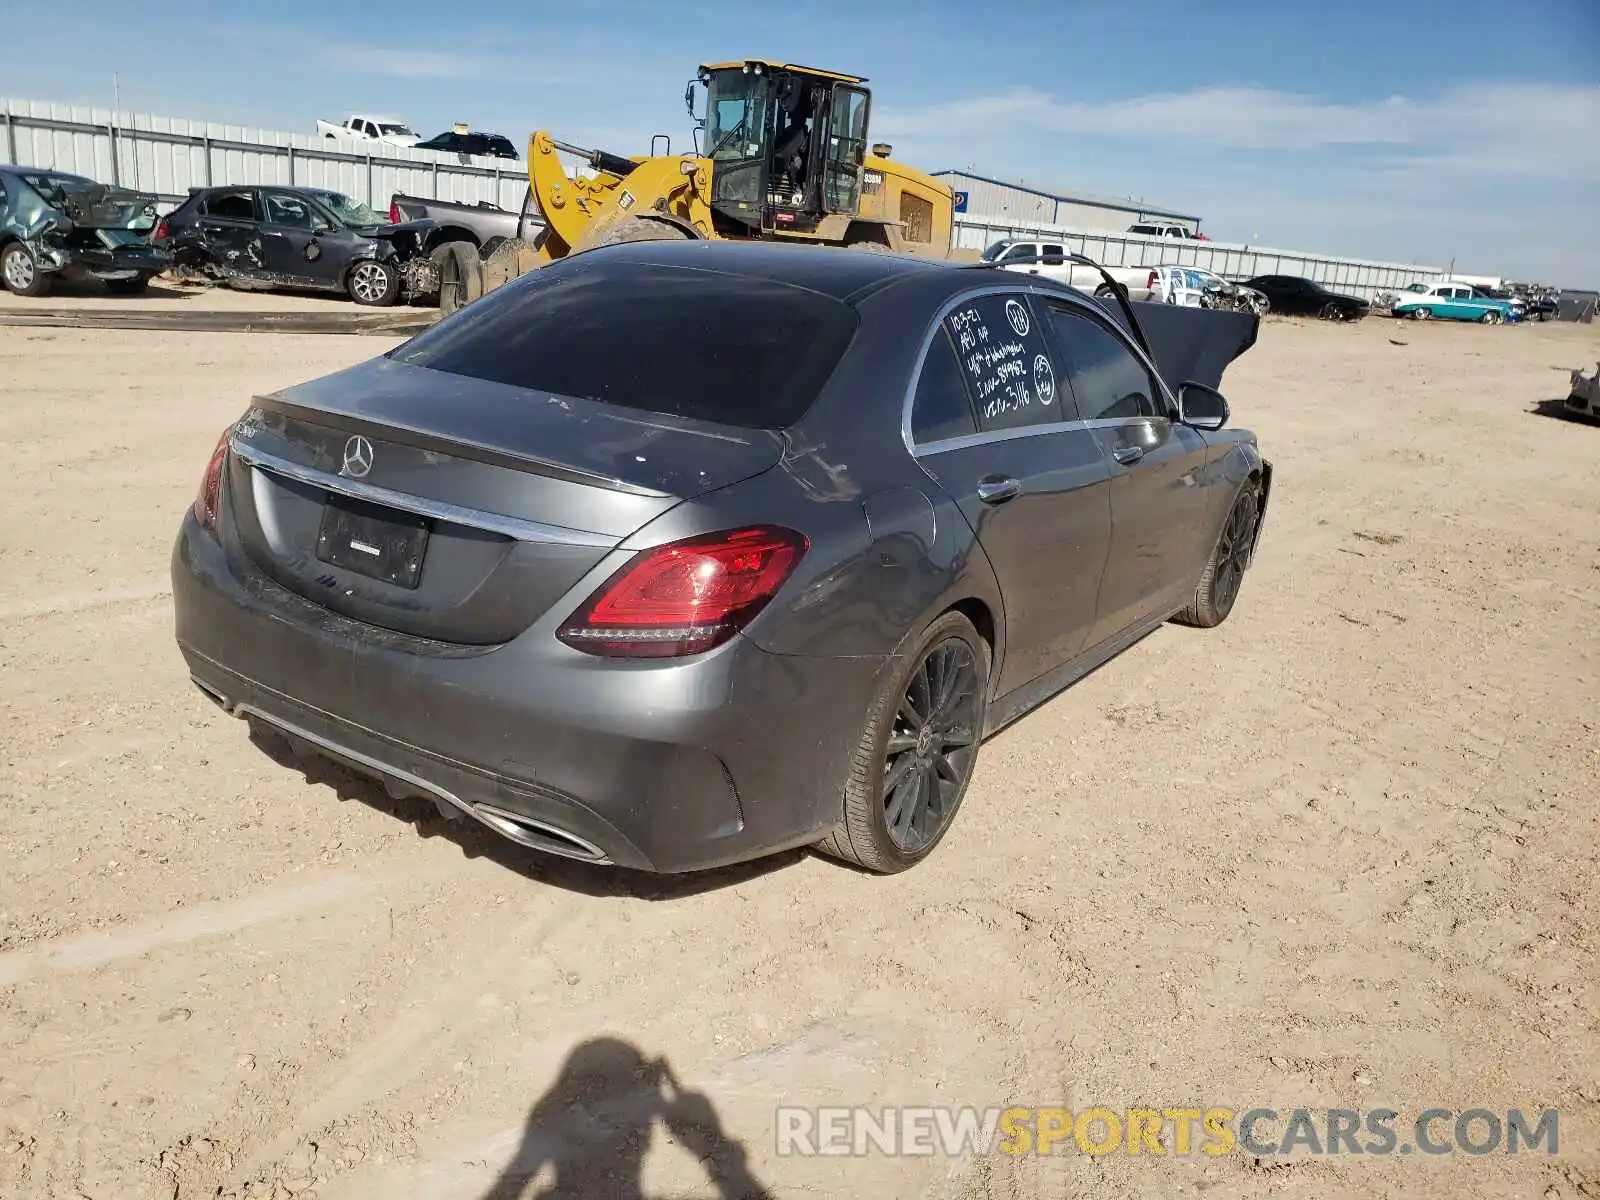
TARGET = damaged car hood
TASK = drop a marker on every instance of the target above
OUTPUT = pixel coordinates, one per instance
(418, 229)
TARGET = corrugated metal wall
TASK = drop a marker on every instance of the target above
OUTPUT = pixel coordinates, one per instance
(994, 200)
(1353, 276)
(989, 199)
(168, 156)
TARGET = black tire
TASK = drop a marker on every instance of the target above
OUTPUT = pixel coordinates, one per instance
(373, 284)
(638, 229)
(128, 287)
(1331, 312)
(20, 273)
(947, 671)
(460, 275)
(1224, 574)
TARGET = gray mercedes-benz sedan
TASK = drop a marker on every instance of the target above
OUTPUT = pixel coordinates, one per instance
(671, 555)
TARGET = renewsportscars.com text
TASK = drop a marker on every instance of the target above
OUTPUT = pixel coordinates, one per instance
(1176, 1131)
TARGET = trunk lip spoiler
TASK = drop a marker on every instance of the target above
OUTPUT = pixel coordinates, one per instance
(518, 528)
(423, 439)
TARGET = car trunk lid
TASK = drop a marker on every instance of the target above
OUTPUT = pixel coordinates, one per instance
(457, 509)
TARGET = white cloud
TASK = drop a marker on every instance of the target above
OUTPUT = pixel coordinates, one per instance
(1542, 130)
(405, 64)
(1503, 174)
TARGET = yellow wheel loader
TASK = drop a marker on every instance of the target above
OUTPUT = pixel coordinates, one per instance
(781, 153)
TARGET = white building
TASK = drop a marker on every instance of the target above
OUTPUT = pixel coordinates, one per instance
(981, 198)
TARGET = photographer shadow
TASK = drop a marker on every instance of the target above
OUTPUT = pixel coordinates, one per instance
(595, 1125)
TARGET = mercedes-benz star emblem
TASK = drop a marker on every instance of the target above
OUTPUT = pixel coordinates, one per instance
(357, 457)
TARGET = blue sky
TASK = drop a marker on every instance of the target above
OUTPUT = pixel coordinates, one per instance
(1411, 130)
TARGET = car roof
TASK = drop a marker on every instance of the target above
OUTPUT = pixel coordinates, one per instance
(16, 170)
(830, 271)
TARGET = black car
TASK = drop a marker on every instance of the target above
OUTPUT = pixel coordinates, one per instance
(308, 238)
(673, 554)
(1292, 295)
(55, 225)
(490, 145)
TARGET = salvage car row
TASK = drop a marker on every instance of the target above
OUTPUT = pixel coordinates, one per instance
(54, 224)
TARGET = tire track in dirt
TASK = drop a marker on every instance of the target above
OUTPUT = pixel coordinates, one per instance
(266, 1130)
(86, 951)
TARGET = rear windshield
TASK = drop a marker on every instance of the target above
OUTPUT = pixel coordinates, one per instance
(686, 343)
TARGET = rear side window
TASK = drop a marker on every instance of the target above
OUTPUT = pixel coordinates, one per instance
(1004, 358)
(240, 206)
(1107, 380)
(941, 408)
(686, 343)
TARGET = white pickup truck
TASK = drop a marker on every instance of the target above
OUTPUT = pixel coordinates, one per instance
(371, 129)
(1050, 260)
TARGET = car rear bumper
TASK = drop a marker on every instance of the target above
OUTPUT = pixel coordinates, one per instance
(671, 765)
(103, 263)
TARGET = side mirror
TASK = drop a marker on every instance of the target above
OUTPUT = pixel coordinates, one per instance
(1202, 407)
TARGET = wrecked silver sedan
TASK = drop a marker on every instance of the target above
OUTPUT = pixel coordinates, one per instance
(55, 225)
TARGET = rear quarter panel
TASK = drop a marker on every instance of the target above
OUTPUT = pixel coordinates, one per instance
(889, 549)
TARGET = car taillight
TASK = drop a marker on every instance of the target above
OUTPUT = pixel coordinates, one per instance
(1151, 282)
(207, 502)
(163, 231)
(394, 212)
(688, 596)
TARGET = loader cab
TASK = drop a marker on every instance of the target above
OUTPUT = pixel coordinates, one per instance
(787, 145)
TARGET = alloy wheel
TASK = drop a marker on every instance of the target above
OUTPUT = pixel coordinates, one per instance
(369, 282)
(20, 270)
(931, 745)
(1233, 552)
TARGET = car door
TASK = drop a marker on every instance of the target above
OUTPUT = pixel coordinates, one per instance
(293, 240)
(290, 248)
(1159, 505)
(228, 229)
(993, 425)
(1021, 251)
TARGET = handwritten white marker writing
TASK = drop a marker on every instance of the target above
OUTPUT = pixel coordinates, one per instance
(1018, 316)
(1044, 379)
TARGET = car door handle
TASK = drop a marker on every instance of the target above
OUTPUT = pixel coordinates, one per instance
(1128, 455)
(997, 489)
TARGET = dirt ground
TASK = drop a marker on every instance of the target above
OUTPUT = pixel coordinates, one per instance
(1342, 851)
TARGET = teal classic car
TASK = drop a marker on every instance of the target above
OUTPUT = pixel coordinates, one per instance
(1453, 301)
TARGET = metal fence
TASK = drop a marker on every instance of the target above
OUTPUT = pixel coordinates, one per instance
(168, 156)
(1352, 276)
